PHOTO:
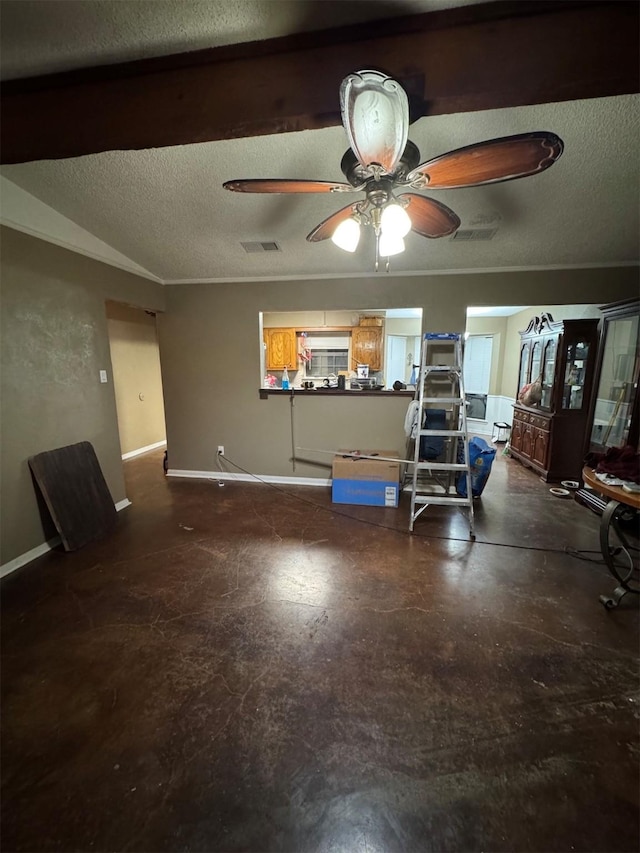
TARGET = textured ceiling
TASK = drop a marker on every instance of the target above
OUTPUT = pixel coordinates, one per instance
(165, 209)
(44, 36)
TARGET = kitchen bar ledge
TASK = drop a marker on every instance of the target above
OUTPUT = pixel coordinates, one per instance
(265, 393)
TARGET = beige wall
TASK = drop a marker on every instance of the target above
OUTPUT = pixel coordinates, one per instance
(209, 344)
(408, 327)
(303, 319)
(54, 343)
(137, 379)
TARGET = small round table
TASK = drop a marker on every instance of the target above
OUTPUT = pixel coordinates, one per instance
(621, 558)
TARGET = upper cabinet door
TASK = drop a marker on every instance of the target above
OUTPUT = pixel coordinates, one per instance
(548, 372)
(366, 346)
(575, 374)
(281, 349)
(536, 361)
(617, 408)
(523, 376)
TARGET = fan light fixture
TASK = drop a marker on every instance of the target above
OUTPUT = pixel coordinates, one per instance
(391, 223)
(375, 115)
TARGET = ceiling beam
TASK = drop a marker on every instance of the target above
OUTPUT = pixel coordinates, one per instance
(488, 56)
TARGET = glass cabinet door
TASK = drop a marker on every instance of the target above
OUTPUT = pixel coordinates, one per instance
(524, 365)
(548, 371)
(536, 360)
(619, 376)
(576, 355)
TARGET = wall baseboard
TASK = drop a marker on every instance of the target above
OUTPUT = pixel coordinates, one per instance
(248, 478)
(44, 548)
(142, 450)
(476, 427)
(33, 554)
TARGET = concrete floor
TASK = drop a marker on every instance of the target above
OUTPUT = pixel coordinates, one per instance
(239, 668)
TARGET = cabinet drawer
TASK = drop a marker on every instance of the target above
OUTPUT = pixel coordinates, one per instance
(523, 417)
(540, 422)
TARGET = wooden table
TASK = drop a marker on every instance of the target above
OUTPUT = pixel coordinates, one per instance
(619, 555)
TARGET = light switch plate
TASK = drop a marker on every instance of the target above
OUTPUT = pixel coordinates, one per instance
(103, 376)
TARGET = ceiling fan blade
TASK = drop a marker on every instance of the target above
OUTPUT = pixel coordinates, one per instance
(326, 228)
(285, 185)
(375, 115)
(429, 217)
(502, 159)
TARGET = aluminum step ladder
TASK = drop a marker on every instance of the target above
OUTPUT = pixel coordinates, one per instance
(440, 389)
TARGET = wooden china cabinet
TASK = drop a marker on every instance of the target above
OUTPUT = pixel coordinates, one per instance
(549, 436)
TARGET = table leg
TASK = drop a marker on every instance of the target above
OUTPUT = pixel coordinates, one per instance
(621, 558)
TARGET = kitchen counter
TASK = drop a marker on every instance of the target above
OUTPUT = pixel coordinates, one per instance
(265, 393)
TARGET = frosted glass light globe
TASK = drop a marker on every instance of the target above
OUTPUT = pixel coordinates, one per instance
(347, 235)
(395, 221)
(390, 245)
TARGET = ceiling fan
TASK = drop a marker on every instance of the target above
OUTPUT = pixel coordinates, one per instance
(381, 161)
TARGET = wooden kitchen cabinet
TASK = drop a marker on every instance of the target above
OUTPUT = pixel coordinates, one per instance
(281, 349)
(366, 346)
(549, 436)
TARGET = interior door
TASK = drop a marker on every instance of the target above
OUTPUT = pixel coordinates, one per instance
(396, 360)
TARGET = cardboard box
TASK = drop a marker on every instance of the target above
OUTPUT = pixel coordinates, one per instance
(367, 482)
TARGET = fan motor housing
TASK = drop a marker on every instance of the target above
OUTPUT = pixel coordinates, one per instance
(379, 192)
(357, 174)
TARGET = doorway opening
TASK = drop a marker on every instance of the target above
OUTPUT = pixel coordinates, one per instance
(137, 378)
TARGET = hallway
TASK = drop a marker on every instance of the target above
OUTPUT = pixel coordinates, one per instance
(249, 668)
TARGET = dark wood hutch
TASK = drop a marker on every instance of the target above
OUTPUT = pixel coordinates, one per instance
(549, 436)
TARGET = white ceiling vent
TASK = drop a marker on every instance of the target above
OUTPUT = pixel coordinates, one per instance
(474, 234)
(252, 248)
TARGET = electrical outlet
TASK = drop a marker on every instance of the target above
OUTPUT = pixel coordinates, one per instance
(221, 450)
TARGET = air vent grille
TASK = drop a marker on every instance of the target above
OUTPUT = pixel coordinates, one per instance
(252, 248)
(475, 234)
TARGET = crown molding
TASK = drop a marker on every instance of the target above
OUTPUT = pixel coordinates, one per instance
(404, 274)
